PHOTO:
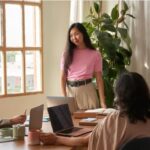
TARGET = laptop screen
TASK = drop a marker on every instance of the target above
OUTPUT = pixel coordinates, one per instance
(60, 117)
(59, 100)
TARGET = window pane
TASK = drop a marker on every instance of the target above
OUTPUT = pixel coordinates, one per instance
(13, 25)
(14, 72)
(32, 26)
(33, 71)
(1, 75)
(1, 14)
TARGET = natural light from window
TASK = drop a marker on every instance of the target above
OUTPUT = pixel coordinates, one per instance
(13, 25)
(33, 71)
(32, 26)
(21, 47)
(14, 72)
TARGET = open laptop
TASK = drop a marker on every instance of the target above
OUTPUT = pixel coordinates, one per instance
(36, 116)
(59, 100)
(62, 123)
(34, 121)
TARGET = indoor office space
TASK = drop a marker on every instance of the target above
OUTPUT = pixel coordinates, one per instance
(33, 38)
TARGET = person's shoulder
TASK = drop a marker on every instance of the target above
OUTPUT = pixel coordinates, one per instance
(113, 115)
(109, 120)
(116, 118)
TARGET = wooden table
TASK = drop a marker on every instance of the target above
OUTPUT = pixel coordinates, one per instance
(23, 144)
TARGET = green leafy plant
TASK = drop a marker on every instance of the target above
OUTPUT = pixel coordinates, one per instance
(109, 34)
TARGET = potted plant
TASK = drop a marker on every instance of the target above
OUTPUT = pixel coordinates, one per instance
(109, 34)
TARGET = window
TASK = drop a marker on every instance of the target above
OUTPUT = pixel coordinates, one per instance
(21, 47)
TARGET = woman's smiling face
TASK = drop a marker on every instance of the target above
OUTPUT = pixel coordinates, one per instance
(76, 37)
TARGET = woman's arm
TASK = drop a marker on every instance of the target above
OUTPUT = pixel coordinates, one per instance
(63, 83)
(73, 141)
(20, 119)
(100, 85)
(50, 138)
(5, 123)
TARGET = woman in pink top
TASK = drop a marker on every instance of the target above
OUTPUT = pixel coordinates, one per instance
(130, 121)
(79, 64)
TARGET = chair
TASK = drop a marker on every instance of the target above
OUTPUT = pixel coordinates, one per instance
(137, 144)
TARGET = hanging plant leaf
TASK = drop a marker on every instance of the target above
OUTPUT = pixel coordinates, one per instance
(125, 52)
(107, 21)
(123, 12)
(96, 7)
(123, 32)
(115, 13)
(104, 15)
(125, 6)
(108, 27)
(116, 42)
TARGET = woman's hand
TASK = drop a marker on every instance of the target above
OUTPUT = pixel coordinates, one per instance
(48, 138)
(18, 119)
(103, 105)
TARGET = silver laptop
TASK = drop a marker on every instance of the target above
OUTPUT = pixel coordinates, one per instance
(59, 100)
(62, 123)
(36, 117)
(34, 121)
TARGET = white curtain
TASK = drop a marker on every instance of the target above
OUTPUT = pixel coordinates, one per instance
(140, 32)
(76, 11)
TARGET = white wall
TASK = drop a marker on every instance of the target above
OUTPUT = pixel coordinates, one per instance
(16, 105)
(56, 23)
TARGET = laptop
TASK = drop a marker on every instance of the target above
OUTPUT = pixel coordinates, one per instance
(36, 117)
(61, 121)
(59, 100)
(34, 120)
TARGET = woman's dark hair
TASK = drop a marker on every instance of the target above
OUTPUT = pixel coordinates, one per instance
(68, 57)
(133, 96)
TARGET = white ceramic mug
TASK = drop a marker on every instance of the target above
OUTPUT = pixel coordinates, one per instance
(34, 137)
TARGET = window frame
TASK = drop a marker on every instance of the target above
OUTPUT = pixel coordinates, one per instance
(22, 49)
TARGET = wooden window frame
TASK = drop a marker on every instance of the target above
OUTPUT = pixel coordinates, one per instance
(24, 48)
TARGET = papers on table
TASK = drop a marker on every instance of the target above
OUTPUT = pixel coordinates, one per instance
(92, 113)
(103, 111)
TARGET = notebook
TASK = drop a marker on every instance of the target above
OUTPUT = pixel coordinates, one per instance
(59, 100)
(62, 123)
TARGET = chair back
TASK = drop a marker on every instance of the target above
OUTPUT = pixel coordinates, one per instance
(137, 144)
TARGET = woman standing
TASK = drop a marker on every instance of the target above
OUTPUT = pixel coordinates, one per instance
(79, 64)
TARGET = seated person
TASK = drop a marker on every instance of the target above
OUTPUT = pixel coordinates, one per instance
(131, 120)
(20, 119)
